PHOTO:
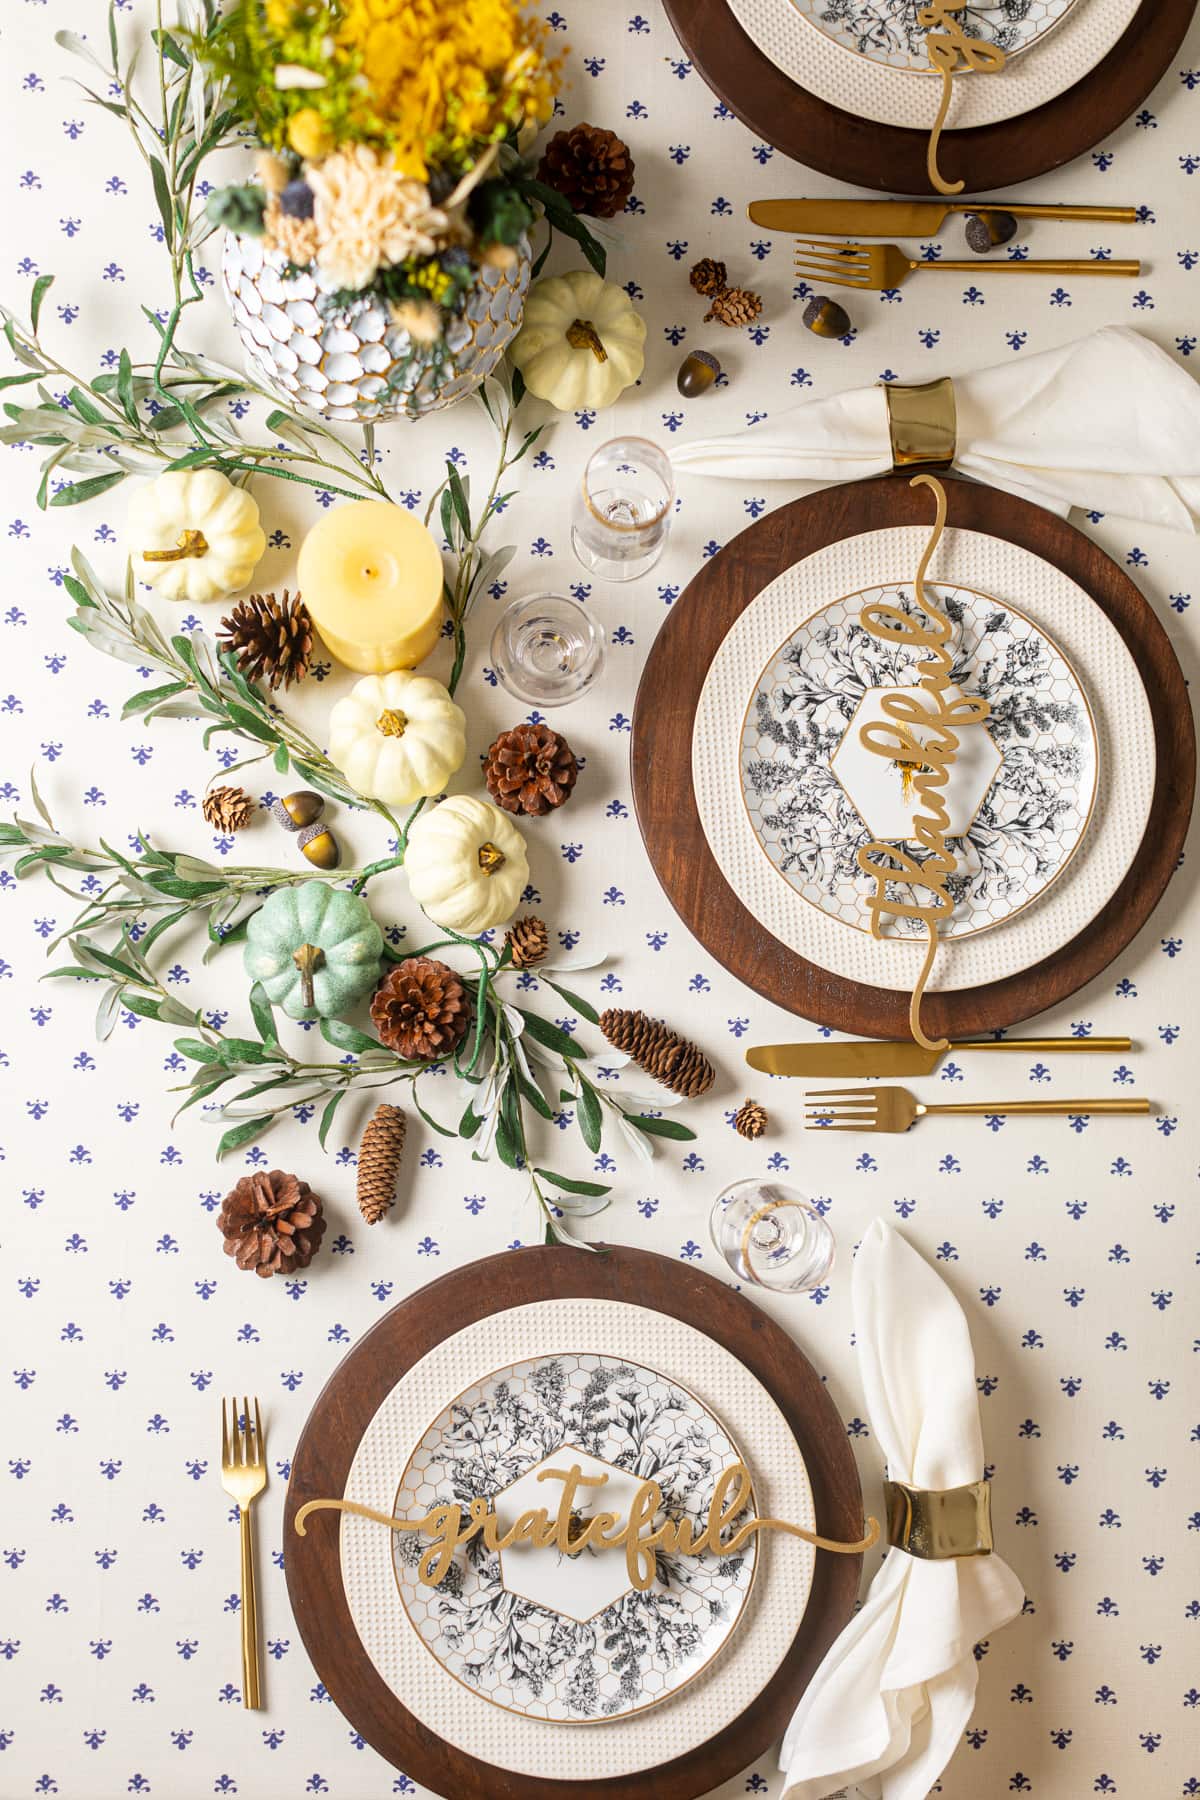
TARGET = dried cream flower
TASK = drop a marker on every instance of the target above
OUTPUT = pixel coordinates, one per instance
(367, 214)
(294, 238)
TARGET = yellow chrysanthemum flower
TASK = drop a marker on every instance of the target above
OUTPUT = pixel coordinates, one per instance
(442, 81)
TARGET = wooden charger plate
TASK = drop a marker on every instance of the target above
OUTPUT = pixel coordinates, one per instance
(665, 799)
(891, 158)
(360, 1384)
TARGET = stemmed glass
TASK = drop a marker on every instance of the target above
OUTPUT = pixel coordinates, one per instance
(771, 1236)
(547, 649)
(621, 517)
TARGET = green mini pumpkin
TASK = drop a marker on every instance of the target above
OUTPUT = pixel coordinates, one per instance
(315, 949)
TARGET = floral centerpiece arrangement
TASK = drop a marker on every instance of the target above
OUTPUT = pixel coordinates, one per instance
(379, 257)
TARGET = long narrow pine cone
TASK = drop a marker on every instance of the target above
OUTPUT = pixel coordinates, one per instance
(271, 1222)
(379, 1157)
(271, 638)
(663, 1053)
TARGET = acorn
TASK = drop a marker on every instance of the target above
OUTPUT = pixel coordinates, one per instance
(984, 230)
(320, 846)
(297, 810)
(697, 373)
(826, 317)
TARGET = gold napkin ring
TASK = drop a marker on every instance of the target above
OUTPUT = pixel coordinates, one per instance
(936, 1523)
(922, 423)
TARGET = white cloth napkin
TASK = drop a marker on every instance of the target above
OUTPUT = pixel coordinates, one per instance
(888, 1706)
(1110, 423)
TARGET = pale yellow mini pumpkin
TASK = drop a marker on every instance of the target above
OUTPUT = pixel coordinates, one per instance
(466, 864)
(397, 737)
(194, 536)
(581, 343)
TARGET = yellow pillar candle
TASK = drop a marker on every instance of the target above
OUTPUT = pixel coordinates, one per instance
(371, 576)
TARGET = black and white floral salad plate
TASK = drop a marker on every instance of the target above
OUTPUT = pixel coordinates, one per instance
(1020, 794)
(569, 1639)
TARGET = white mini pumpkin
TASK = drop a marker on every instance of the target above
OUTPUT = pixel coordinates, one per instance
(397, 737)
(194, 536)
(466, 864)
(581, 343)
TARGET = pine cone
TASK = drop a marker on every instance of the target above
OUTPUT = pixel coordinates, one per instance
(591, 168)
(379, 1156)
(528, 941)
(228, 808)
(708, 276)
(272, 1223)
(270, 638)
(530, 769)
(671, 1059)
(736, 306)
(420, 1009)
(750, 1119)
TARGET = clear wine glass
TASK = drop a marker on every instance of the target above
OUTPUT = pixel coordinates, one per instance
(548, 649)
(621, 517)
(771, 1236)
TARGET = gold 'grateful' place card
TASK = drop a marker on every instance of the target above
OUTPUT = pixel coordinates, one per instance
(724, 1531)
(918, 736)
(950, 49)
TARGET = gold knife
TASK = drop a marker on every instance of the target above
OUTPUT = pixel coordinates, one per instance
(869, 1056)
(907, 218)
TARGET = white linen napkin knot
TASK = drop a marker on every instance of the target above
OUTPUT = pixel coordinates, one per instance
(1110, 423)
(888, 1706)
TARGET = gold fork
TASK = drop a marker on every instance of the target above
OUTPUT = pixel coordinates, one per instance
(881, 266)
(894, 1108)
(244, 1476)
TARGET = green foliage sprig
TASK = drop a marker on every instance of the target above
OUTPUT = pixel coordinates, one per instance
(143, 416)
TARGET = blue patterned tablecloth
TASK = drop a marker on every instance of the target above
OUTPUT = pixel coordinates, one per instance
(1071, 1245)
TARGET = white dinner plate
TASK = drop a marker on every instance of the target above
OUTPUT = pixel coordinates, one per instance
(1066, 625)
(890, 31)
(1082, 37)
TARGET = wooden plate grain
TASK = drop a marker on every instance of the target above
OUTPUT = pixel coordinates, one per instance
(662, 758)
(359, 1386)
(891, 158)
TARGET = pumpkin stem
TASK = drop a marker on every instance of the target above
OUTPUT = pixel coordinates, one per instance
(490, 859)
(582, 335)
(188, 543)
(392, 723)
(308, 959)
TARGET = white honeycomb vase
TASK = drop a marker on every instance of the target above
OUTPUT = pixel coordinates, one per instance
(339, 366)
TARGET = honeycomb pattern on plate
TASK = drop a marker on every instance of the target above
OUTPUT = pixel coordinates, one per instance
(345, 365)
(813, 802)
(569, 1639)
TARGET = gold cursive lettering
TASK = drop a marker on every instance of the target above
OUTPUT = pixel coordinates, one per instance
(641, 1538)
(931, 757)
(948, 49)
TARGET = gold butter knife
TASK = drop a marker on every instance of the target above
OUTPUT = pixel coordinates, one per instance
(908, 218)
(869, 1056)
